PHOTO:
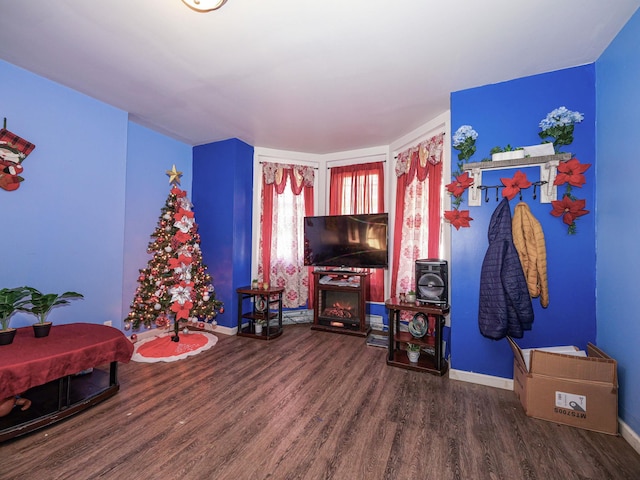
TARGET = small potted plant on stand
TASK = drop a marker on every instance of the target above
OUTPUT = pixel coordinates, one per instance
(411, 296)
(41, 304)
(413, 352)
(11, 299)
(259, 324)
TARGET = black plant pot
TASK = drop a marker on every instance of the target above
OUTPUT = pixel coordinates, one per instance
(41, 330)
(6, 336)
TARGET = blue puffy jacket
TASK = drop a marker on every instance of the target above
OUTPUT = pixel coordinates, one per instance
(505, 305)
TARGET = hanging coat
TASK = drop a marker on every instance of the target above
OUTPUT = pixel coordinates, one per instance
(529, 241)
(505, 305)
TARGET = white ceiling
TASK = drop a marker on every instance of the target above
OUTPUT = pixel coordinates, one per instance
(301, 75)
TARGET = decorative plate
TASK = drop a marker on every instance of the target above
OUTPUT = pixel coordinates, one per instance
(261, 304)
(418, 325)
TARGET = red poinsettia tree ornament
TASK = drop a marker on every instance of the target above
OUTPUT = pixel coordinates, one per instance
(571, 174)
(512, 186)
(458, 218)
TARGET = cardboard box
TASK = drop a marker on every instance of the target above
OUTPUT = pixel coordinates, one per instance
(580, 391)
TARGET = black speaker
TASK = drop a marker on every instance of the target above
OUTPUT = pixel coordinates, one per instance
(432, 281)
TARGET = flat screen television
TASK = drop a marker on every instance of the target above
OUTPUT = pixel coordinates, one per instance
(349, 241)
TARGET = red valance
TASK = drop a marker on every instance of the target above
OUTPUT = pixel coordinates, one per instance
(420, 159)
(277, 174)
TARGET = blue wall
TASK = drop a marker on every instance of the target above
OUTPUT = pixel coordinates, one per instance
(222, 197)
(618, 225)
(63, 229)
(509, 113)
(93, 190)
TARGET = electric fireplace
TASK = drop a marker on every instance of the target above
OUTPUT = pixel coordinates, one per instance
(339, 302)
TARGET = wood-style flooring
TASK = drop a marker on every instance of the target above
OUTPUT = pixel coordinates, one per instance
(308, 405)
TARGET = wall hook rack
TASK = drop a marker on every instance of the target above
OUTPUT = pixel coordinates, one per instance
(486, 189)
(548, 169)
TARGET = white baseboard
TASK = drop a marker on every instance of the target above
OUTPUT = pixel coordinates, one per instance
(629, 435)
(481, 379)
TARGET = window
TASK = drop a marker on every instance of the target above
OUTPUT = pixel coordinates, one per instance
(360, 189)
(287, 197)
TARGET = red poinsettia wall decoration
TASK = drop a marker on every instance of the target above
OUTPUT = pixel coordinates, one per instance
(571, 174)
(568, 209)
(458, 218)
(512, 186)
(460, 184)
(463, 140)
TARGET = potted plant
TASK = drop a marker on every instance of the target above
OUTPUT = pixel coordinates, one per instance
(413, 352)
(258, 324)
(40, 305)
(506, 153)
(11, 299)
(411, 296)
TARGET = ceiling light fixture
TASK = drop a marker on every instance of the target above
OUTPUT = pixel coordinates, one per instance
(204, 5)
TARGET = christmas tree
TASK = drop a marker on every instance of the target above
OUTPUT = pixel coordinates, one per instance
(175, 285)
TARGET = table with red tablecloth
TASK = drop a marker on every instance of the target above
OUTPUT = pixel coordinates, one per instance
(30, 362)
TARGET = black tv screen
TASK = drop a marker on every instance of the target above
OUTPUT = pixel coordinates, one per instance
(353, 241)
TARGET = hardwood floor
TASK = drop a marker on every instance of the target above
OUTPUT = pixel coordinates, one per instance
(308, 405)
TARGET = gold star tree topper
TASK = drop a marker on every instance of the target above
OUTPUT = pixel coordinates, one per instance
(174, 176)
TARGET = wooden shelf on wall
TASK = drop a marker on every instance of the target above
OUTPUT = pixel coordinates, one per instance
(548, 169)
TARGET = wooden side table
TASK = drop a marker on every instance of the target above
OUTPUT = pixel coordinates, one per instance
(261, 311)
(429, 362)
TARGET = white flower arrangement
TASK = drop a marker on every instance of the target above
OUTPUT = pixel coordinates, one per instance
(558, 125)
(462, 134)
(560, 117)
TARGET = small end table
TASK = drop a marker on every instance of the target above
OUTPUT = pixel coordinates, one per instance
(261, 311)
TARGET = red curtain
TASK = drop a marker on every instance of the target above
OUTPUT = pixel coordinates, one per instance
(419, 173)
(275, 179)
(360, 189)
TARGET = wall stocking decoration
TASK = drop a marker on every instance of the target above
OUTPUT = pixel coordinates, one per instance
(13, 151)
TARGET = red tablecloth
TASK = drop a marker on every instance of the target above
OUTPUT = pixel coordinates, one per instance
(68, 349)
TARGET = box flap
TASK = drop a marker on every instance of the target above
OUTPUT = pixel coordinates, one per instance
(517, 352)
(568, 349)
(593, 369)
(596, 352)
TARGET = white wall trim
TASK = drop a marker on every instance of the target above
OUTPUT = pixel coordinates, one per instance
(481, 379)
(629, 435)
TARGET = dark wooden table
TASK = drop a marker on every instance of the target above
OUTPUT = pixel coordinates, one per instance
(397, 357)
(260, 311)
(46, 371)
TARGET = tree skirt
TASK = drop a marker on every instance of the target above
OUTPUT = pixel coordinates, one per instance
(162, 349)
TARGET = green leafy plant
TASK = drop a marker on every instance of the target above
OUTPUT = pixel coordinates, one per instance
(508, 148)
(413, 347)
(11, 300)
(40, 304)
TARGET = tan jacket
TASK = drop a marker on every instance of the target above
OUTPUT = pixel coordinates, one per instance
(529, 241)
